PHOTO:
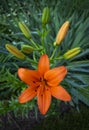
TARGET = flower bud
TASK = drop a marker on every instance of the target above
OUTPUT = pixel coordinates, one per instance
(62, 33)
(13, 50)
(71, 53)
(27, 49)
(25, 30)
(45, 15)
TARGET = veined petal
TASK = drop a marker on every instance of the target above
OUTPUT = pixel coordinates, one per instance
(60, 93)
(55, 76)
(29, 76)
(28, 94)
(43, 65)
(44, 99)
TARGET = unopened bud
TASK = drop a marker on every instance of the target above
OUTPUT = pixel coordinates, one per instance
(25, 30)
(27, 49)
(13, 50)
(45, 15)
(71, 53)
(62, 32)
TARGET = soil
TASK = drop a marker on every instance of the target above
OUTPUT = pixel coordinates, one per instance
(10, 122)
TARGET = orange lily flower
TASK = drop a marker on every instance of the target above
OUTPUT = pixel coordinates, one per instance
(43, 83)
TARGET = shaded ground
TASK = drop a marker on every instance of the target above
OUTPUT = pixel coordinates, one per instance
(9, 122)
(67, 120)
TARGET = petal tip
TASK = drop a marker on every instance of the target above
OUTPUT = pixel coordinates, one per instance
(20, 100)
(43, 64)
(69, 98)
(20, 70)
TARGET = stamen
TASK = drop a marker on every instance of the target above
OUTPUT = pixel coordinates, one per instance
(35, 90)
(47, 89)
(34, 82)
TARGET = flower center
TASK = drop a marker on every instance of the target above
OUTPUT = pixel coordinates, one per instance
(43, 82)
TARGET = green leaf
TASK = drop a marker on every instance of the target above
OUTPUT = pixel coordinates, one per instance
(80, 96)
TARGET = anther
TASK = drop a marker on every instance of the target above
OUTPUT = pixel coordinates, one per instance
(40, 78)
(35, 90)
(34, 82)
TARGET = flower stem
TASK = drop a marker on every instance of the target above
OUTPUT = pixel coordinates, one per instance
(43, 38)
(59, 58)
(31, 61)
(53, 53)
(34, 43)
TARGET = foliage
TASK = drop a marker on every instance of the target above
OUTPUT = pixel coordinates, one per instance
(76, 82)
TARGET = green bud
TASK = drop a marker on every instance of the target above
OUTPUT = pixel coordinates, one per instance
(25, 30)
(45, 15)
(27, 49)
(71, 53)
(13, 50)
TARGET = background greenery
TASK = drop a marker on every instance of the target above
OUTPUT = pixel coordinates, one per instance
(77, 11)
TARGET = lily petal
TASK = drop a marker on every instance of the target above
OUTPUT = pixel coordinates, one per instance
(60, 93)
(27, 94)
(43, 65)
(44, 99)
(29, 76)
(55, 76)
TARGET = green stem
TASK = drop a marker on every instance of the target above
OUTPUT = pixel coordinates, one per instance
(60, 58)
(42, 38)
(31, 61)
(52, 60)
(34, 43)
(53, 53)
